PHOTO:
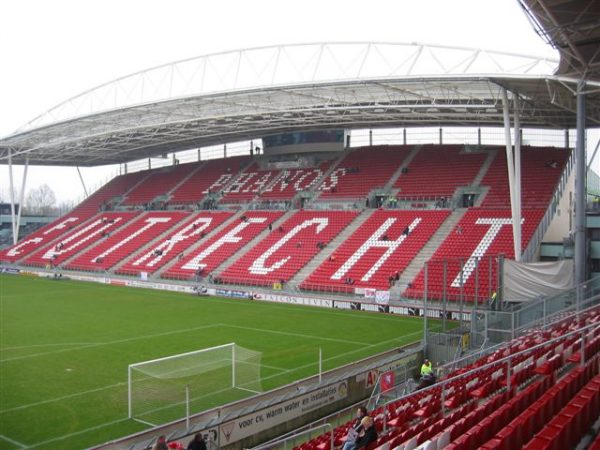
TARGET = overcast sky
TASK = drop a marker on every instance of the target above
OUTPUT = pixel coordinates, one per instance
(53, 50)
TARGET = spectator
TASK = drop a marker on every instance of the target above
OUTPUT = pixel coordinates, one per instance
(160, 444)
(367, 435)
(197, 443)
(270, 227)
(493, 299)
(406, 231)
(355, 429)
(427, 375)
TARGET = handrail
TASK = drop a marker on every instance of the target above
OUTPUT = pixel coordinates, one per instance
(498, 362)
(484, 351)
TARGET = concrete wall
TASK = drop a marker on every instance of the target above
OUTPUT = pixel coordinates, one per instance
(560, 226)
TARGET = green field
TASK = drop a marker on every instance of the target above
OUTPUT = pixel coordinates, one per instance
(65, 347)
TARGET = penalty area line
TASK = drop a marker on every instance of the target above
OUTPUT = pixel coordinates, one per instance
(12, 441)
(76, 433)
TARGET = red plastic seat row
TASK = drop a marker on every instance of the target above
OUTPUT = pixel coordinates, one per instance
(74, 241)
(567, 428)
(363, 170)
(288, 248)
(377, 250)
(459, 169)
(212, 253)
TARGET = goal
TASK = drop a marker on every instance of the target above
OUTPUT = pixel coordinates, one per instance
(171, 388)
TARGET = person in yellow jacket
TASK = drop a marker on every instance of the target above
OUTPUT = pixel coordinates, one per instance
(426, 369)
(427, 375)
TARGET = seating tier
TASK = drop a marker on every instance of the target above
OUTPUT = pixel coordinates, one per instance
(376, 251)
(213, 175)
(481, 233)
(159, 182)
(118, 246)
(175, 244)
(223, 245)
(437, 170)
(363, 170)
(288, 248)
(540, 176)
(292, 181)
(72, 242)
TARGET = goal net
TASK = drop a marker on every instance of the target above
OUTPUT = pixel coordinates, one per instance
(168, 389)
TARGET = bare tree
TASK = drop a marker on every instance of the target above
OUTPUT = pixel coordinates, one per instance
(65, 207)
(41, 201)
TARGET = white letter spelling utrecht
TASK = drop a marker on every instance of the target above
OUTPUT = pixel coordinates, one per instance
(375, 241)
(86, 237)
(150, 222)
(230, 237)
(258, 266)
(496, 225)
(165, 247)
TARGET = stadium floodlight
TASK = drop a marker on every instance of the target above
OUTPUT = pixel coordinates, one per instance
(173, 387)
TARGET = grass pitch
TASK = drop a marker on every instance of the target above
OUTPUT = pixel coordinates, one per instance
(65, 347)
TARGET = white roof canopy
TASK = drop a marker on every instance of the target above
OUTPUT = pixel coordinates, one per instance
(247, 94)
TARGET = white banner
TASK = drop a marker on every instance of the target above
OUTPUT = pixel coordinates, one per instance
(264, 419)
(528, 281)
(370, 293)
(382, 297)
(294, 300)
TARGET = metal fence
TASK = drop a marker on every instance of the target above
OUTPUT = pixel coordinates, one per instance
(492, 329)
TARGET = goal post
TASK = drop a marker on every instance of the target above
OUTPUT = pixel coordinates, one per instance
(170, 388)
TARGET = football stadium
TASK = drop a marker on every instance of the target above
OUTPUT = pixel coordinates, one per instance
(298, 232)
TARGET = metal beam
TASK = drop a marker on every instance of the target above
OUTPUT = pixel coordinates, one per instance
(580, 190)
(511, 171)
(21, 197)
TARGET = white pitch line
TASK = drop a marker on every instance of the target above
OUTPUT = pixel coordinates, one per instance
(64, 344)
(285, 333)
(12, 441)
(119, 341)
(266, 378)
(64, 397)
(76, 433)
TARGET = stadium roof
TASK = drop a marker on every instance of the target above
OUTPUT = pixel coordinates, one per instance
(247, 94)
(573, 28)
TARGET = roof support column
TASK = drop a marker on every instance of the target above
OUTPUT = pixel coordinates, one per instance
(21, 195)
(517, 227)
(83, 184)
(510, 162)
(580, 189)
(12, 196)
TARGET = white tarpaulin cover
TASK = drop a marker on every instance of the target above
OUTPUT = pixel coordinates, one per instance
(526, 281)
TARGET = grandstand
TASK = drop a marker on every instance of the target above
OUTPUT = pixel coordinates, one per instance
(540, 390)
(425, 227)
